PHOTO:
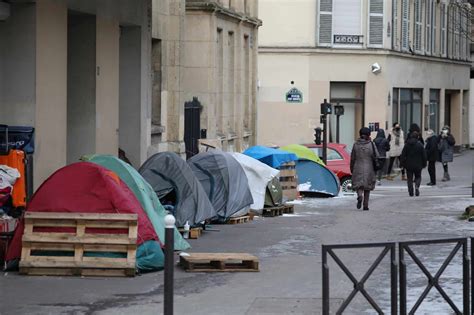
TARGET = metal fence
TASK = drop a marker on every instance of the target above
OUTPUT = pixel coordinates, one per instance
(400, 268)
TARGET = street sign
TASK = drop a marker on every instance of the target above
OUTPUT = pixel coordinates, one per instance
(294, 96)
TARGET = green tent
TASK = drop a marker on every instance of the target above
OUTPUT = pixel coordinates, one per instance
(144, 193)
(302, 152)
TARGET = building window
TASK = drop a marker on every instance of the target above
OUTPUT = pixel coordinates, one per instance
(409, 107)
(395, 117)
(433, 111)
(434, 25)
(376, 23)
(428, 25)
(351, 96)
(395, 39)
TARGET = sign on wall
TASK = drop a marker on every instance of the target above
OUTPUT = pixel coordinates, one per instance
(294, 96)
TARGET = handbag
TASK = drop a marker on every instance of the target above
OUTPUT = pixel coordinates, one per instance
(376, 162)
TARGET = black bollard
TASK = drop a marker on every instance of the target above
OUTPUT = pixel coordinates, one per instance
(169, 264)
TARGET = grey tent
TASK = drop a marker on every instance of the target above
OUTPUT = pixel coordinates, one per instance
(224, 181)
(174, 183)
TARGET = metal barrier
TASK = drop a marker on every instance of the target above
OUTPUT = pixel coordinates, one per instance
(433, 281)
(359, 285)
(404, 247)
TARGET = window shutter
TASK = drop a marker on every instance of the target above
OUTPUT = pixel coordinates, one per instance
(376, 23)
(434, 27)
(325, 23)
(418, 25)
(442, 25)
(405, 24)
(429, 15)
(395, 38)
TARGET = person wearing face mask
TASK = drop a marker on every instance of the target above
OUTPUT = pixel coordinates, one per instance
(363, 154)
(396, 139)
(446, 150)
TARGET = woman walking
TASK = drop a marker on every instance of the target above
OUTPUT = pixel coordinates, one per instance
(432, 154)
(362, 167)
(446, 148)
(383, 146)
(397, 141)
(413, 159)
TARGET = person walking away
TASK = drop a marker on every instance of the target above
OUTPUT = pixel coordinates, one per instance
(397, 141)
(446, 148)
(413, 159)
(432, 154)
(414, 127)
(362, 167)
(383, 146)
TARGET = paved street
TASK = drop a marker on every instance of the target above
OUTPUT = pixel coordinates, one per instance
(289, 249)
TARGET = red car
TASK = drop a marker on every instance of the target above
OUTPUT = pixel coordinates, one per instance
(338, 161)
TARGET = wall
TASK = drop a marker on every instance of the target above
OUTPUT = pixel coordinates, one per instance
(81, 96)
(51, 88)
(17, 66)
(298, 28)
(107, 85)
(130, 93)
(471, 114)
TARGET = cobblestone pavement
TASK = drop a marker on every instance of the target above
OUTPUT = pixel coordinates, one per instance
(289, 248)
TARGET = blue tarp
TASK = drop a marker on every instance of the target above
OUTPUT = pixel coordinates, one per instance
(272, 157)
(316, 178)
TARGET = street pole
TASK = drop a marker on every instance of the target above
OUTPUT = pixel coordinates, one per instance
(169, 264)
(325, 110)
(337, 128)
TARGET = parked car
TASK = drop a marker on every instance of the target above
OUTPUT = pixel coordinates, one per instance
(338, 161)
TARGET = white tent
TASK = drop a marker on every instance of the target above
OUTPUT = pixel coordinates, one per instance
(258, 175)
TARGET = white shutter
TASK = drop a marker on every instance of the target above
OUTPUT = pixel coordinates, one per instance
(442, 24)
(405, 24)
(428, 35)
(395, 39)
(325, 23)
(418, 26)
(434, 26)
(375, 23)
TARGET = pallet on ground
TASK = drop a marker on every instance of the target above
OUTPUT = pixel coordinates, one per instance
(278, 210)
(241, 219)
(79, 248)
(194, 233)
(219, 262)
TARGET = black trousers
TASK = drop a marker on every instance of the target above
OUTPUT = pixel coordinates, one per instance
(410, 175)
(432, 171)
(390, 165)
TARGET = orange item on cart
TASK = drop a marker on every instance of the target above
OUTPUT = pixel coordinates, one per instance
(16, 159)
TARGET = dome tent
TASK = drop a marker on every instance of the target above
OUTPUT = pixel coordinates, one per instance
(87, 187)
(171, 178)
(143, 192)
(224, 181)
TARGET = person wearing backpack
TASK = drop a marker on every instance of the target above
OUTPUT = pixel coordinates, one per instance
(383, 146)
(413, 159)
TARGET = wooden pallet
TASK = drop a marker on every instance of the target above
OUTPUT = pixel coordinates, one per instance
(288, 208)
(194, 233)
(219, 262)
(78, 249)
(278, 210)
(239, 220)
(288, 180)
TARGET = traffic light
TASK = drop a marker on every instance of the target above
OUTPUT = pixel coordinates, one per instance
(317, 135)
(326, 108)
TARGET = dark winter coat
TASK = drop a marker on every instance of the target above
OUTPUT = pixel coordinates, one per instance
(362, 167)
(413, 156)
(413, 128)
(431, 148)
(446, 148)
(382, 144)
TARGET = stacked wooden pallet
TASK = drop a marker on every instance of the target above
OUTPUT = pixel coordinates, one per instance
(278, 210)
(219, 262)
(240, 219)
(288, 180)
(82, 247)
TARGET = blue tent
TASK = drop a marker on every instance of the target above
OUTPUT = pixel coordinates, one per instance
(272, 157)
(316, 178)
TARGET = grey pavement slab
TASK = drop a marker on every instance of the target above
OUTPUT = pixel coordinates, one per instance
(289, 248)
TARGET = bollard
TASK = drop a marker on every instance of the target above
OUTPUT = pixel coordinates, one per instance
(169, 264)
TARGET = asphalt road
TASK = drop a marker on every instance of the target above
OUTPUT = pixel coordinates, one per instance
(289, 248)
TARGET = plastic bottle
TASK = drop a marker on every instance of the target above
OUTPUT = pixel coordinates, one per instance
(186, 230)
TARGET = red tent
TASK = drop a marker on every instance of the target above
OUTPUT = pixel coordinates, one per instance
(85, 187)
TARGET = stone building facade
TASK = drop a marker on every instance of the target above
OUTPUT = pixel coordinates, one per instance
(385, 61)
